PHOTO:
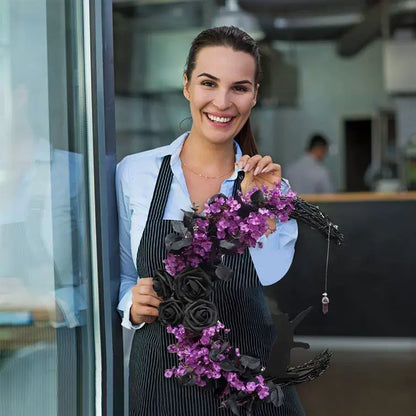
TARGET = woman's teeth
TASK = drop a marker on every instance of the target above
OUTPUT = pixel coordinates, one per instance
(219, 119)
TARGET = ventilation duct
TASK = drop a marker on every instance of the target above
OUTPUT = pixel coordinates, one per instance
(397, 14)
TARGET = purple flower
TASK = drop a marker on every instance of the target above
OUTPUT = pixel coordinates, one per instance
(251, 386)
(260, 379)
(263, 392)
(168, 373)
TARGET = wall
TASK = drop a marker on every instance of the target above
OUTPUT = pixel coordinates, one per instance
(330, 88)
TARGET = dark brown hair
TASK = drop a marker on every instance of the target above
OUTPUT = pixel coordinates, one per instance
(238, 40)
(317, 140)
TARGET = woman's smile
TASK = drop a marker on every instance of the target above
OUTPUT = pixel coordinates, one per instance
(220, 120)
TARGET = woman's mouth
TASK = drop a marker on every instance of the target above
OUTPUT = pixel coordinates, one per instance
(219, 120)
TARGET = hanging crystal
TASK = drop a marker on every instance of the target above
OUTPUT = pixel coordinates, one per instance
(325, 303)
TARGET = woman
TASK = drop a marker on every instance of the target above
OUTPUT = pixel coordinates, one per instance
(221, 82)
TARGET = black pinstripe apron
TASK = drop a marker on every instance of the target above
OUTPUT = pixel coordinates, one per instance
(241, 308)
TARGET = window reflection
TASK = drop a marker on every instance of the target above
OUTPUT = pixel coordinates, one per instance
(44, 263)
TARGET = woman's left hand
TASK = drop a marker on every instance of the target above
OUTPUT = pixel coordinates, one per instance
(260, 170)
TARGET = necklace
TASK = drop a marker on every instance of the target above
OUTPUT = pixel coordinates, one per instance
(201, 175)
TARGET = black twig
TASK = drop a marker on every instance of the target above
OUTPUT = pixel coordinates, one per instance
(311, 215)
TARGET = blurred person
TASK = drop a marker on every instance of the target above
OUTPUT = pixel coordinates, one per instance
(308, 175)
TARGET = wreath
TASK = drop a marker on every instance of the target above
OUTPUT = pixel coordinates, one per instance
(194, 261)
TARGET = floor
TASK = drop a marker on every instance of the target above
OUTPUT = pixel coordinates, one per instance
(370, 377)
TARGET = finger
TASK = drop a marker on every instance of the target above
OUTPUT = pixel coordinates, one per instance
(271, 222)
(274, 170)
(145, 281)
(139, 291)
(145, 300)
(141, 310)
(145, 285)
(149, 319)
(140, 314)
(242, 161)
(264, 162)
(269, 179)
(277, 171)
(252, 163)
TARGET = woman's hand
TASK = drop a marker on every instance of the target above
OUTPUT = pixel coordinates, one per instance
(260, 170)
(145, 302)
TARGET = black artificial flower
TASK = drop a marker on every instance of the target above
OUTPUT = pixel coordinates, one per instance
(192, 284)
(171, 312)
(257, 198)
(199, 315)
(163, 284)
(176, 243)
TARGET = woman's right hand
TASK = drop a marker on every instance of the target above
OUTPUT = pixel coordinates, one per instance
(145, 302)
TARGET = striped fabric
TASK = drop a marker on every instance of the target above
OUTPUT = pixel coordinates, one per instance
(241, 308)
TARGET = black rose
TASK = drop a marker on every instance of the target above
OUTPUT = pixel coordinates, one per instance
(170, 312)
(192, 284)
(163, 284)
(199, 315)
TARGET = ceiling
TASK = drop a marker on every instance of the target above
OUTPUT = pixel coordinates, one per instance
(350, 23)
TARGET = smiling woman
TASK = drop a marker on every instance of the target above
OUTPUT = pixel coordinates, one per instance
(222, 91)
(217, 155)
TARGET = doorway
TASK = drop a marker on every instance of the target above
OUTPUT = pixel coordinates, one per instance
(357, 133)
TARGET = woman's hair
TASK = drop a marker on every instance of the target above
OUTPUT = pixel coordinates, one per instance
(238, 40)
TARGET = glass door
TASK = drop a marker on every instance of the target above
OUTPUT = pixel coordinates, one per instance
(48, 324)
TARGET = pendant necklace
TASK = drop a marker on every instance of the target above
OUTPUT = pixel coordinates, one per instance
(201, 175)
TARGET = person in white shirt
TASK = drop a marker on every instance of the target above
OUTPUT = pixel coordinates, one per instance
(218, 154)
(308, 175)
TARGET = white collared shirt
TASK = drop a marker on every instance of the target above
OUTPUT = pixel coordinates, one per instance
(135, 182)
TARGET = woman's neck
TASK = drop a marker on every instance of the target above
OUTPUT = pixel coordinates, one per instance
(208, 158)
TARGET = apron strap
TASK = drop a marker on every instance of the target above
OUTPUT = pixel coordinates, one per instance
(237, 183)
(161, 192)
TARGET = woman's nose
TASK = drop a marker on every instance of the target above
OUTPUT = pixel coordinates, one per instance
(222, 100)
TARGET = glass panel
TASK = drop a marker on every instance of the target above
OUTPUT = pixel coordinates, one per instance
(46, 353)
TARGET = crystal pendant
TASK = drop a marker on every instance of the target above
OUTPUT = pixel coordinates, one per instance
(325, 303)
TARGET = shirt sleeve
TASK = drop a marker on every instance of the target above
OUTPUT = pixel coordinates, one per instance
(274, 259)
(128, 273)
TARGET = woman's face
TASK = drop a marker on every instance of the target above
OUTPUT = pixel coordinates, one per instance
(221, 93)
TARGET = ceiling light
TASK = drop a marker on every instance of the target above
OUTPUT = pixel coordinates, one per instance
(232, 15)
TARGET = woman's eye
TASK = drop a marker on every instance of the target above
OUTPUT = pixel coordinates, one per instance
(208, 83)
(240, 88)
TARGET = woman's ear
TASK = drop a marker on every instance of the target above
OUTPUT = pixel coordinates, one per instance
(186, 87)
(255, 95)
